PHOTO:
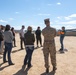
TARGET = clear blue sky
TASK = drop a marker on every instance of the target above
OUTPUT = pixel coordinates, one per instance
(33, 12)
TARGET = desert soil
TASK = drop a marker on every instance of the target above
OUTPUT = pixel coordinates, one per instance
(66, 62)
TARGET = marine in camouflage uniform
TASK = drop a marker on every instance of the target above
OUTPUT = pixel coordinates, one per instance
(49, 45)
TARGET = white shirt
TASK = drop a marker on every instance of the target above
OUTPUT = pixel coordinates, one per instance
(22, 33)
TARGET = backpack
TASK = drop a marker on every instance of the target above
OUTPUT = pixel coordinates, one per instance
(1, 36)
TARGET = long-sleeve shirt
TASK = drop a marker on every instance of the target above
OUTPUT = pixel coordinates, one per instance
(38, 33)
(29, 38)
(49, 33)
(8, 36)
(62, 33)
(21, 33)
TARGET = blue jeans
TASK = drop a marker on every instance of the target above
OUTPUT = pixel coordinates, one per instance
(8, 49)
(61, 42)
(28, 56)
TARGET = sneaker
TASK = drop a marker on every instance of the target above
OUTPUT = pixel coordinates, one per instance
(60, 50)
(66, 50)
(5, 61)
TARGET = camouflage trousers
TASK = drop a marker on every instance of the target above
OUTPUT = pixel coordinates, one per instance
(49, 49)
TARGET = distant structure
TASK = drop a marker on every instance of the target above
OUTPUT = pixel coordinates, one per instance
(70, 32)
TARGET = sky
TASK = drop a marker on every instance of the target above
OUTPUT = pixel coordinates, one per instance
(33, 12)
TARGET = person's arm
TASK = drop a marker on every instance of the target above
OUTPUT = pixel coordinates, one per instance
(59, 32)
(14, 33)
(33, 38)
(40, 32)
(25, 38)
(20, 34)
(3, 35)
(65, 32)
(11, 35)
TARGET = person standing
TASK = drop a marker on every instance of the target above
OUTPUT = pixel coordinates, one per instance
(29, 46)
(8, 37)
(1, 39)
(14, 40)
(38, 36)
(49, 34)
(62, 35)
(22, 36)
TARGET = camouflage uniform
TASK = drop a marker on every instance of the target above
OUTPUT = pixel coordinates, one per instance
(49, 46)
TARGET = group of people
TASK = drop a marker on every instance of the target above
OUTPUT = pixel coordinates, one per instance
(28, 38)
(38, 37)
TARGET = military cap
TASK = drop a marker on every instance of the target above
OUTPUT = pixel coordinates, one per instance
(47, 20)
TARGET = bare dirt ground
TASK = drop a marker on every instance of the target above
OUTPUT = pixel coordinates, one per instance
(66, 63)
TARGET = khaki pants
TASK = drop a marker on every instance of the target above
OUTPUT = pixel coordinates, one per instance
(49, 49)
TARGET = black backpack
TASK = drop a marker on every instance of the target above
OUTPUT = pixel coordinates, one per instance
(1, 36)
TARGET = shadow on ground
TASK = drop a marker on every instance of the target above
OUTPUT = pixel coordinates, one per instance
(17, 50)
(22, 71)
(50, 73)
(1, 68)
